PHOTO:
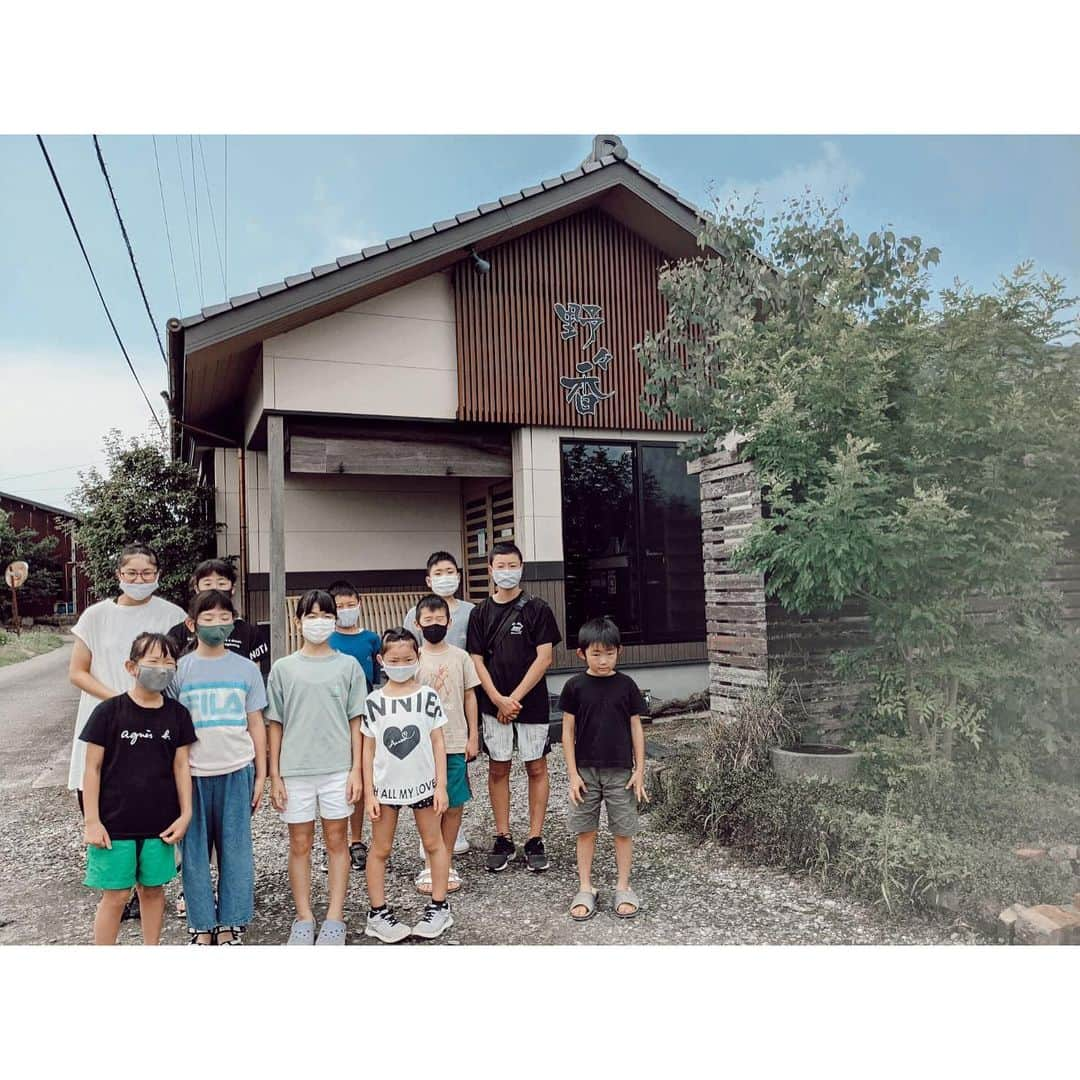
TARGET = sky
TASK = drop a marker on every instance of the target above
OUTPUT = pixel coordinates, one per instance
(287, 203)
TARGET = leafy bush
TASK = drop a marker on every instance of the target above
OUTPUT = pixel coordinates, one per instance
(909, 828)
(144, 497)
(916, 459)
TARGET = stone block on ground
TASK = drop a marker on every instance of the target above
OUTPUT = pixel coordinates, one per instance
(1031, 854)
(1047, 924)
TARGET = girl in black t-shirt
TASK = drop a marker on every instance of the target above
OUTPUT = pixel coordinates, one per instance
(136, 790)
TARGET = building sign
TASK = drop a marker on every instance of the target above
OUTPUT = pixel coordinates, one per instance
(583, 390)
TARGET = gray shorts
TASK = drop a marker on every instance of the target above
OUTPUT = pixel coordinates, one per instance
(532, 740)
(607, 786)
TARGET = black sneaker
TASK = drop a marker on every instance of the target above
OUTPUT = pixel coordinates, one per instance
(131, 908)
(535, 857)
(358, 856)
(501, 854)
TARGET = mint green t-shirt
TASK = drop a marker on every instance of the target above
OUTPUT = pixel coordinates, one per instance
(313, 698)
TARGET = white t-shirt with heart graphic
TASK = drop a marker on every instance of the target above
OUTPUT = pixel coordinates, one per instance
(404, 757)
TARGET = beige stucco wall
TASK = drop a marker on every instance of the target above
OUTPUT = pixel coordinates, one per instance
(395, 355)
(538, 484)
(340, 522)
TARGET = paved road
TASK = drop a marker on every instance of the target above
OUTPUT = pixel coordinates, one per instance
(37, 717)
(692, 894)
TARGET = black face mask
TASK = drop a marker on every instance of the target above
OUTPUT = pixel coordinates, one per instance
(433, 634)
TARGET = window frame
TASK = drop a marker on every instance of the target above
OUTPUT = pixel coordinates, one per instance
(645, 637)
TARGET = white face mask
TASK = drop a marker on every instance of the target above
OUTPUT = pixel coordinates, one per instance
(401, 672)
(348, 616)
(445, 584)
(138, 590)
(506, 579)
(317, 630)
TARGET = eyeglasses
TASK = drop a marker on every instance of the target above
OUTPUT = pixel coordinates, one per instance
(139, 575)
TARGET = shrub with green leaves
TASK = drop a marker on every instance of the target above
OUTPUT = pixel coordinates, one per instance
(917, 460)
(911, 827)
(143, 497)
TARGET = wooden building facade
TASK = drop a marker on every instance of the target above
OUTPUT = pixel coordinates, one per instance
(45, 521)
(471, 382)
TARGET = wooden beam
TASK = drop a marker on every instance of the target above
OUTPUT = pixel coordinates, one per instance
(275, 453)
(393, 457)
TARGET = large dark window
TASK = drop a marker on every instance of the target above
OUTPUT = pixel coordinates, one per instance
(632, 541)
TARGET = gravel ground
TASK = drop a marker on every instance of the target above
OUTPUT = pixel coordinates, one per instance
(699, 895)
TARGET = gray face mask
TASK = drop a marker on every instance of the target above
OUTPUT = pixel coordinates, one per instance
(401, 672)
(506, 579)
(155, 679)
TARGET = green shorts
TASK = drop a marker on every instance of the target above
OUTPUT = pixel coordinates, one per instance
(130, 862)
(458, 792)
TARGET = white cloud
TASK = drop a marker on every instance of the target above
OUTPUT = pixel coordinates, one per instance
(827, 176)
(336, 231)
(56, 406)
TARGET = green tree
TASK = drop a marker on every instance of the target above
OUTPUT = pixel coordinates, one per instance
(143, 497)
(914, 459)
(46, 571)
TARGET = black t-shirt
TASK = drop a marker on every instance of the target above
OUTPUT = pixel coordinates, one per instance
(514, 652)
(247, 640)
(138, 791)
(602, 706)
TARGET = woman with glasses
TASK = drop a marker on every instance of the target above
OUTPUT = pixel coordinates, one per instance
(103, 637)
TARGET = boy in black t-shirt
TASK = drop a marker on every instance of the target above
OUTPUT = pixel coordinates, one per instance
(248, 640)
(511, 638)
(604, 745)
(136, 790)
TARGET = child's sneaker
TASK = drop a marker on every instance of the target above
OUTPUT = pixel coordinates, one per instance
(535, 857)
(385, 926)
(131, 908)
(461, 845)
(435, 920)
(501, 853)
(358, 855)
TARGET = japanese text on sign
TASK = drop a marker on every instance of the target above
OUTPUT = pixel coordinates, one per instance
(583, 390)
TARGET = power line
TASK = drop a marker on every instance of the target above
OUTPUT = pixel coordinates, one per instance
(44, 472)
(130, 251)
(101, 295)
(213, 217)
(187, 215)
(168, 235)
(226, 222)
(195, 200)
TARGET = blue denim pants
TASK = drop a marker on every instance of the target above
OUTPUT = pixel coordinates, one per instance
(221, 822)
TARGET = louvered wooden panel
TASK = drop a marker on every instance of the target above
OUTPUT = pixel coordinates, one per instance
(493, 514)
(510, 350)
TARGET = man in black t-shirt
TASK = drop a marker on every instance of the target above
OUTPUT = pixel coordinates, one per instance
(248, 640)
(511, 639)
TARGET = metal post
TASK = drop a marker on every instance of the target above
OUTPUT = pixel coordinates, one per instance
(275, 452)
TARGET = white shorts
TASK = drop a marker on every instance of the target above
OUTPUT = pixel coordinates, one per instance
(321, 795)
(532, 740)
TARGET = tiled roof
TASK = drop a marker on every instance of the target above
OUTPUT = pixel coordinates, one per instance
(589, 166)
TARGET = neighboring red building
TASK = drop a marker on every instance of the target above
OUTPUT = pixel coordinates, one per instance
(42, 520)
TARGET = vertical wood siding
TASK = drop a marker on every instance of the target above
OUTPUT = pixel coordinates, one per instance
(510, 350)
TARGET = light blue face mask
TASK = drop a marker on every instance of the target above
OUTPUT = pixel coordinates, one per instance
(507, 579)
